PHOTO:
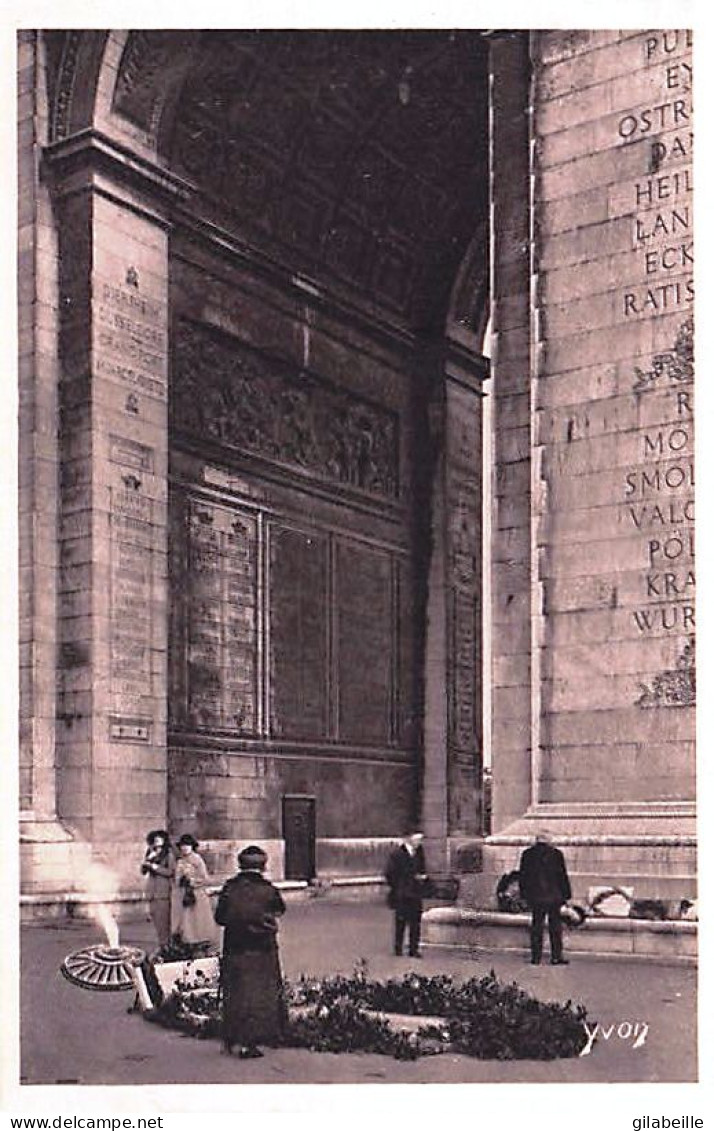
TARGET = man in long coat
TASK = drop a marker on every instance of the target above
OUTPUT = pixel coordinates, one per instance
(406, 876)
(545, 886)
(253, 1009)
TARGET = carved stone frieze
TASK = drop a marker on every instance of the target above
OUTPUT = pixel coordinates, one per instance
(151, 64)
(674, 688)
(675, 366)
(65, 84)
(232, 394)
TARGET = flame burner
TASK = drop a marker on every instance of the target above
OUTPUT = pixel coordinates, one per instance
(102, 967)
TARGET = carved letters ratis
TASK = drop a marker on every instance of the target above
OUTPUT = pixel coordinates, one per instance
(225, 391)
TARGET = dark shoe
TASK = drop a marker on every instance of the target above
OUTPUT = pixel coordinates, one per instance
(560, 962)
(415, 954)
(226, 1049)
(250, 1053)
(398, 953)
(535, 961)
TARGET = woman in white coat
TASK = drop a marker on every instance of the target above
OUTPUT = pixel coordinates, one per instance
(192, 915)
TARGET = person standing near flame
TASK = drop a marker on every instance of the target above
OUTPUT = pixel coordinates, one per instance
(158, 868)
(192, 917)
(253, 1007)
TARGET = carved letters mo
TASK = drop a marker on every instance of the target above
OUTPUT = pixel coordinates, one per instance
(230, 393)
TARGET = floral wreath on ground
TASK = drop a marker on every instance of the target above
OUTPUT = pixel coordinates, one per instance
(416, 1015)
(595, 907)
(508, 898)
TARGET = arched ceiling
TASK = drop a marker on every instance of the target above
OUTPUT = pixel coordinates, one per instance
(357, 158)
(363, 154)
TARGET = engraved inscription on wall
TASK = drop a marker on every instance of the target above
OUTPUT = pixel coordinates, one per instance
(287, 633)
(659, 487)
(215, 581)
(660, 506)
(663, 237)
(226, 392)
(298, 633)
(131, 595)
(130, 337)
(365, 636)
(464, 550)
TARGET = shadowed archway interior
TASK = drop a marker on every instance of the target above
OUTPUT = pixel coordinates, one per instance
(357, 158)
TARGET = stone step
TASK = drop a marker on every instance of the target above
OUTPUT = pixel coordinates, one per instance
(479, 891)
(669, 940)
(53, 906)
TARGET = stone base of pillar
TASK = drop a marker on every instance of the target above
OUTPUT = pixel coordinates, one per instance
(356, 856)
(649, 848)
(62, 875)
(130, 906)
(607, 938)
(51, 859)
(336, 857)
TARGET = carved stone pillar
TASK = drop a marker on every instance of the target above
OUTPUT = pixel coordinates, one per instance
(453, 722)
(46, 848)
(463, 587)
(38, 455)
(111, 740)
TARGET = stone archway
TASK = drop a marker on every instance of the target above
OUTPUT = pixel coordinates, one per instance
(117, 230)
(309, 245)
(330, 169)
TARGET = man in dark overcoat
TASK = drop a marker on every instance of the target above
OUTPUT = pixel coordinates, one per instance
(545, 886)
(253, 1009)
(406, 876)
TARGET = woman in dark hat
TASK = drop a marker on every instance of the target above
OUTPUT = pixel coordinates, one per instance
(158, 868)
(251, 983)
(192, 916)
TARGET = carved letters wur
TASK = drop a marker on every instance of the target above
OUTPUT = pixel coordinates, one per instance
(231, 394)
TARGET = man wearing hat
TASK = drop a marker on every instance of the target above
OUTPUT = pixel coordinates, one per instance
(251, 985)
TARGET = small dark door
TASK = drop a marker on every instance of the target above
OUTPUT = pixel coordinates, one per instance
(299, 834)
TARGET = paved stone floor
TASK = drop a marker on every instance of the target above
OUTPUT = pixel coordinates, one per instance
(77, 1037)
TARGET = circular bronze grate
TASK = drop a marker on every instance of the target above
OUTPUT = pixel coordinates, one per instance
(102, 967)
